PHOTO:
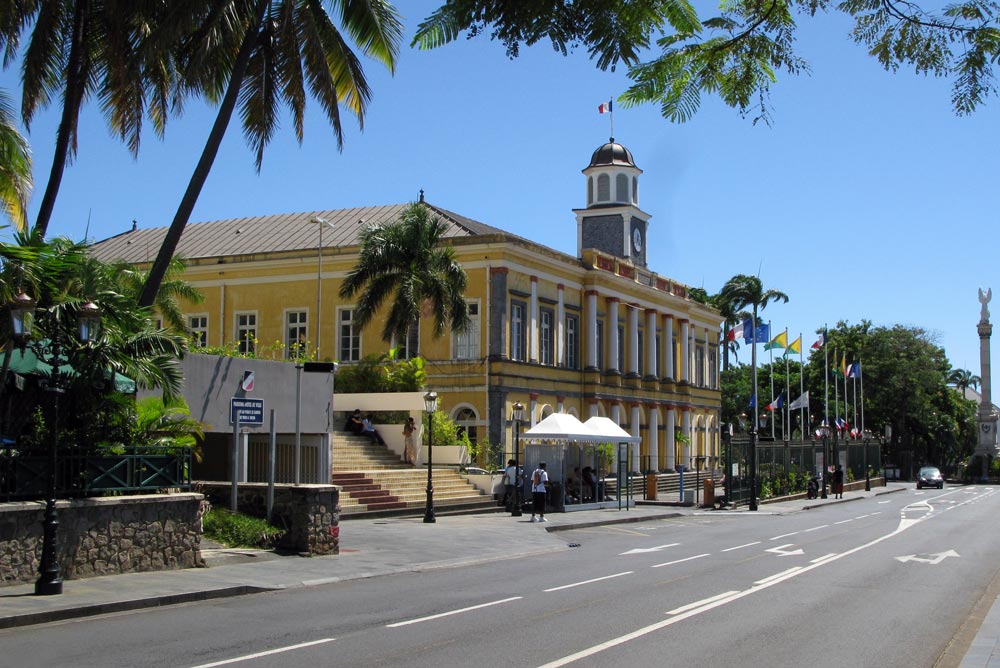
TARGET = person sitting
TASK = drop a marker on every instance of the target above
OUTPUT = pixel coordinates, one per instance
(355, 424)
(368, 429)
(573, 486)
(589, 484)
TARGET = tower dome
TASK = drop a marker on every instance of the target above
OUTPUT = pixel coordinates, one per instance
(612, 154)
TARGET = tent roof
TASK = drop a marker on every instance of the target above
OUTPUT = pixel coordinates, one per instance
(26, 363)
(562, 427)
(609, 431)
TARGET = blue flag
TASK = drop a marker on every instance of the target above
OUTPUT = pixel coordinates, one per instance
(763, 334)
(753, 400)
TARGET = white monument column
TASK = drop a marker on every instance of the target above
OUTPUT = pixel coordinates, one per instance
(654, 436)
(668, 348)
(671, 441)
(650, 343)
(987, 448)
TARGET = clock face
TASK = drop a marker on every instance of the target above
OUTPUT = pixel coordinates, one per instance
(637, 240)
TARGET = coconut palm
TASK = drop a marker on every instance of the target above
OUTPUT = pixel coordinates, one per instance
(131, 282)
(402, 262)
(15, 167)
(83, 48)
(282, 50)
(963, 379)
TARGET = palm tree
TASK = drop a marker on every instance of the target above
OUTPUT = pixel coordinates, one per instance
(15, 167)
(730, 315)
(963, 379)
(83, 48)
(742, 291)
(282, 47)
(131, 282)
(402, 262)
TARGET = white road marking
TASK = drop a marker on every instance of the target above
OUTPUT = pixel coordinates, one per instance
(585, 582)
(671, 563)
(269, 652)
(740, 547)
(935, 558)
(844, 521)
(784, 535)
(821, 526)
(883, 502)
(704, 601)
(453, 612)
(823, 558)
(778, 575)
(643, 550)
(782, 552)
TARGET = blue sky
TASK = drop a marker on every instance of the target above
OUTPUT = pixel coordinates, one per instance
(866, 198)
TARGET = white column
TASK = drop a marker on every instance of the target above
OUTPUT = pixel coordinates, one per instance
(591, 329)
(705, 363)
(650, 342)
(612, 364)
(533, 322)
(636, 431)
(533, 407)
(633, 341)
(616, 414)
(671, 442)
(560, 334)
(654, 437)
(592, 410)
(668, 347)
(685, 352)
(686, 428)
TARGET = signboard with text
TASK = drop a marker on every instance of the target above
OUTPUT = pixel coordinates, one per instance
(249, 411)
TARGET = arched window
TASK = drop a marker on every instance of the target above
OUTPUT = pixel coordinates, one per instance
(467, 420)
(590, 190)
(621, 188)
(635, 190)
(603, 188)
(546, 411)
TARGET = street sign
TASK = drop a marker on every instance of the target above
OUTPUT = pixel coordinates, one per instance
(250, 411)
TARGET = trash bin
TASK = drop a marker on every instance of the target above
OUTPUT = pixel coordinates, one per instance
(651, 486)
(689, 497)
(708, 495)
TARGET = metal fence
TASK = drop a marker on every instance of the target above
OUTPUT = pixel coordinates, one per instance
(24, 473)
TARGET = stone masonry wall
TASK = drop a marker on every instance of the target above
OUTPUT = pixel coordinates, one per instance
(309, 514)
(103, 536)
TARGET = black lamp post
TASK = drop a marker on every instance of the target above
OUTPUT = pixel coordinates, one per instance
(517, 416)
(430, 405)
(22, 313)
(825, 433)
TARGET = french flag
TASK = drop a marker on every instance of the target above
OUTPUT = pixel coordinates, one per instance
(820, 342)
(737, 331)
(605, 108)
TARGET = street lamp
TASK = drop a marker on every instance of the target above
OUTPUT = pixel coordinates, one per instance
(824, 431)
(22, 314)
(430, 405)
(517, 415)
(322, 222)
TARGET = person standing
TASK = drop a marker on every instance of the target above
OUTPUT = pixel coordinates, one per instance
(838, 483)
(409, 448)
(509, 480)
(538, 481)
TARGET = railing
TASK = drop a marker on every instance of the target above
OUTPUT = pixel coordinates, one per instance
(24, 472)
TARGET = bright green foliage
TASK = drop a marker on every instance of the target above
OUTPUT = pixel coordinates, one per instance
(15, 167)
(403, 263)
(238, 530)
(382, 373)
(168, 425)
(736, 54)
(446, 432)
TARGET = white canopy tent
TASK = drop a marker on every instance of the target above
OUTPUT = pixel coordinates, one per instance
(563, 428)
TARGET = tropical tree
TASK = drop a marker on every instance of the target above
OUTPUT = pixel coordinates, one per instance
(15, 167)
(742, 291)
(730, 315)
(962, 379)
(83, 48)
(737, 53)
(260, 52)
(403, 262)
(131, 282)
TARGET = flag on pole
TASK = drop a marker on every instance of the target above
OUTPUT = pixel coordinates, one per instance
(843, 366)
(738, 330)
(780, 341)
(777, 403)
(854, 371)
(762, 333)
(801, 402)
(820, 342)
(795, 346)
(840, 423)
(753, 400)
(605, 108)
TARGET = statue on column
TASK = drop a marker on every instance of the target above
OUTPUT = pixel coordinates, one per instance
(984, 299)
(987, 448)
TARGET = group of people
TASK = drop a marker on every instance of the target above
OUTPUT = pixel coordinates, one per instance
(361, 425)
(582, 486)
(539, 483)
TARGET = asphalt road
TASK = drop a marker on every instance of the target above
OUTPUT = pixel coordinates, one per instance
(886, 581)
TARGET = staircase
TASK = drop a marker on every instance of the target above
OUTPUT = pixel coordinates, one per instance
(374, 480)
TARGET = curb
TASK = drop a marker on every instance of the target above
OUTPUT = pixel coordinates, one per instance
(616, 520)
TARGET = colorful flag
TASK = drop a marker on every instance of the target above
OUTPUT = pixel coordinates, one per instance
(854, 371)
(795, 346)
(605, 108)
(753, 400)
(737, 331)
(780, 341)
(843, 366)
(762, 333)
(801, 402)
(820, 342)
(777, 403)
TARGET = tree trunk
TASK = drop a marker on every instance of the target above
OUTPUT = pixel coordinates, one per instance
(200, 175)
(70, 116)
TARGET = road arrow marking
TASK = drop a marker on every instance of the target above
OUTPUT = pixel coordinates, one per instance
(782, 552)
(934, 558)
(644, 550)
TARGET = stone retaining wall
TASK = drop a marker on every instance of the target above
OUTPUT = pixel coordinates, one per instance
(103, 536)
(309, 514)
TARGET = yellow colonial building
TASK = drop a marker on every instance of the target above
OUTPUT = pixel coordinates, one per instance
(596, 334)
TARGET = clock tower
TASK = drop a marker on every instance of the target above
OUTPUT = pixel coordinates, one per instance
(612, 222)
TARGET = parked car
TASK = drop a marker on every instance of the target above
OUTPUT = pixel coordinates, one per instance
(930, 476)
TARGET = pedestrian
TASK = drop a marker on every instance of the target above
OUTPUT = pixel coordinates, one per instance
(368, 429)
(355, 424)
(538, 481)
(509, 480)
(409, 448)
(838, 483)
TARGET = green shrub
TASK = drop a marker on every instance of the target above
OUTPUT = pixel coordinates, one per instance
(238, 530)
